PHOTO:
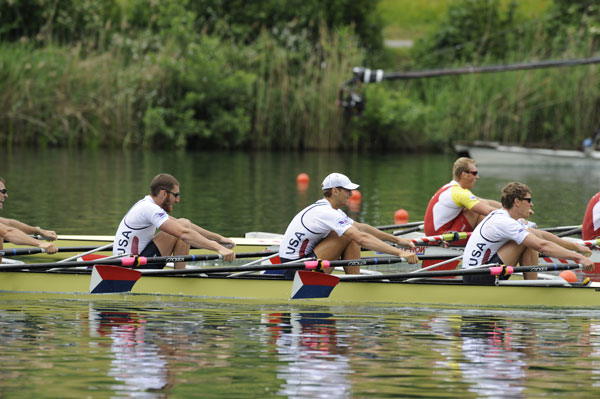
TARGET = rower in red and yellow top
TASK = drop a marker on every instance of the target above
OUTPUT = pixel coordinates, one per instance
(590, 228)
(454, 207)
(18, 232)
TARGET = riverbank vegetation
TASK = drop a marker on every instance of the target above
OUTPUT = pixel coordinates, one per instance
(204, 74)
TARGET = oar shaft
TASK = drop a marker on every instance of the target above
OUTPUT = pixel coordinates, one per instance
(35, 250)
(385, 260)
(283, 266)
(399, 226)
(504, 270)
(406, 231)
(569, 232)
(560, 228)
(132, 261)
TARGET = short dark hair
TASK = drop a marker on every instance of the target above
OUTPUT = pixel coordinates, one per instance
(162, 181)
(512, 191)
(327, 192)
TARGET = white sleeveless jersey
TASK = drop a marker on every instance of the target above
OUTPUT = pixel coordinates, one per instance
(138, 226)
(490, 235)
(310, 226)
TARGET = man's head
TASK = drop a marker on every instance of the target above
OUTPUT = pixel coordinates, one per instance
(338, 189)
(3, 192)
(517, 195)
(165, 190)
(465, 172)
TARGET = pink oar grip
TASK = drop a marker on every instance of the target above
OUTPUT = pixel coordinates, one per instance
(497, 270)
(314, 264)
(131, 261)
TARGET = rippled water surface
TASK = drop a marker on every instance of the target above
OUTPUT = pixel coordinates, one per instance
(55, 347)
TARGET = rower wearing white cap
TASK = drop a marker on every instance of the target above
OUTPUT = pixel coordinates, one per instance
(324, 231)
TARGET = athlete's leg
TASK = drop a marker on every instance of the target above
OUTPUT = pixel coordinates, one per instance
(171, 245)
(332, 248)
(511, 254)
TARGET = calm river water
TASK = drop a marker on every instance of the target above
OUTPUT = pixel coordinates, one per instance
(178, 348)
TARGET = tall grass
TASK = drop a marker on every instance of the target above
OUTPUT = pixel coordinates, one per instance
(52, 96)
(549, 107)
(296, 97)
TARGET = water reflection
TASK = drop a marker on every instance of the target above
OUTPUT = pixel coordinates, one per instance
(315, 363)
(492, 366)
(139, 362)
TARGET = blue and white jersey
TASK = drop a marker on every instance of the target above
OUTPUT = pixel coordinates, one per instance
(490, 235)
(138, 227)
(310, 226)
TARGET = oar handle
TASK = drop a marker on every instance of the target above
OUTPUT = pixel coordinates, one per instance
(591, 243)
(450, 236)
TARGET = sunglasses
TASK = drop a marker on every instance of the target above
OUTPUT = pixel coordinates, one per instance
(171, 192)
(527, 199)
(473, 172)
(4, 191)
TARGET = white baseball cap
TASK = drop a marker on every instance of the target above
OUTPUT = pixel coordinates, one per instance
(338, 180)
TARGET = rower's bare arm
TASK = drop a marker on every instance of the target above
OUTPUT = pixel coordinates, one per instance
(27, 229)
(382, 235)
(373, 243)
(570, 245)
(213, 236)
(18, 237)
(195, 239)
(550, 248)
(483, 207)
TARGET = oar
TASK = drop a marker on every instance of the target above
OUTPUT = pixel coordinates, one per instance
(501, 270)
(91, 251)
(411, 230)
(136, 261)
(560, 228)
(398, 226)
(447, 237)
(35, 250)
(310, 265)
(591, 243)
(307, 265)
(569, 232)
(254, 262)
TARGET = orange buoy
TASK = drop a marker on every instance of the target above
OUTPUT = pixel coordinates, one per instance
(568, 276)
(354, 206)
(356, 196)
(401, 216)
(302, 178)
